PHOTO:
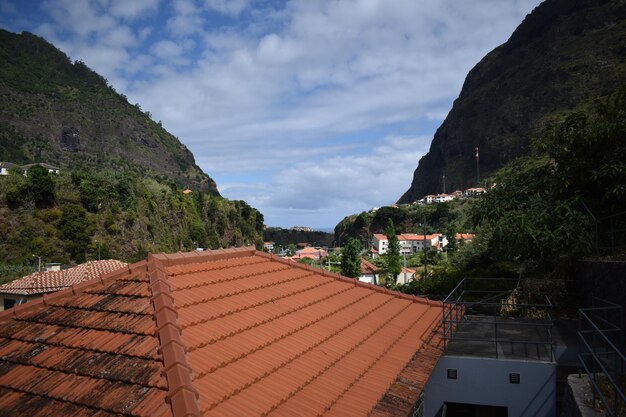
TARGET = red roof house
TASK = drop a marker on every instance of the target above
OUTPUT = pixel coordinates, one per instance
(218, 333)
(34, 285)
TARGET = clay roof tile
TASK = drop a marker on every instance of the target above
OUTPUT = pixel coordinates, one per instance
(231, 331)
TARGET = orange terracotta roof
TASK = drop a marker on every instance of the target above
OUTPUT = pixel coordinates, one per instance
(368, 267)
(51, 281)
(400, 397)
(311, 249)
(464, 236)
(414, 236)
(91, 350)
(380, 236)
(217, 333)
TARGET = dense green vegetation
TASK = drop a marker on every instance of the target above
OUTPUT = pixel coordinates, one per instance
(444, 218)
(123, 214)
(285, 237)
(351, 259)
(565, 201)
(555, 205)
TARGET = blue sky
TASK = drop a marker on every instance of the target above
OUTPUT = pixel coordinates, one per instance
(308, 110)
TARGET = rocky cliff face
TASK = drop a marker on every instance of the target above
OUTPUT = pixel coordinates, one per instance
(561, 57)
(63, 113)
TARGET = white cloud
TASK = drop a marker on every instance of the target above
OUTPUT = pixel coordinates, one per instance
(289, 87)
(316, 190)
(82, 18)
(133, 9)
(227, 7)
(167, 50)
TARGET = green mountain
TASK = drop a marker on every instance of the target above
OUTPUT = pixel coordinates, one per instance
(122, 187)
(563, 55)
(64, 114)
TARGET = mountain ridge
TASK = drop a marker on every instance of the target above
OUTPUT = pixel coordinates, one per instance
(65, 114)
(561, 57)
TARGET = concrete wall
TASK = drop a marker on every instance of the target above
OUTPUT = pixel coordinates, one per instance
(486, 382)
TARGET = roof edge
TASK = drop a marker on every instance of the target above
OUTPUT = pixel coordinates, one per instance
(184, 258)
(182, 395)
(75, 289)
(356, 282)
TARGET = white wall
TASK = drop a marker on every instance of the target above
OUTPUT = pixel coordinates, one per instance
(486, 382)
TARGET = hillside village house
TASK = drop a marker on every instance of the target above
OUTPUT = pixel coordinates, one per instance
(464, 237)
(473, 192)
(233, 332)
(268, 246)
(310, 252)
(410, 243)
(35, 285)
(405, 276)
(442, 198)
(5, 167)
(369, 272)
(51, 168)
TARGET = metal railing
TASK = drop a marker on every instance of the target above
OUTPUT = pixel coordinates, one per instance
(601, 354)
(484, 312)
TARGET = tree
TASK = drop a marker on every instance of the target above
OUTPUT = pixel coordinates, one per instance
(392, 257)
(74, 229)
(40, 185)
(351, 259)
(549, 208)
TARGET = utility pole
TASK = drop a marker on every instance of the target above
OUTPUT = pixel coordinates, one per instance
(404, 256)
(38, 262)
(477, 169)
(424, 250)
(98, 249)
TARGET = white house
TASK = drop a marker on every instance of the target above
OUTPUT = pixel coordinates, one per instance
(413, 243)
(429, 199)
(473, 192)
(5, 167)
(409, 243)
(380, 245)
(405, 276)
(442, 198)
(268, 246)
(51, 168)
(369, 272)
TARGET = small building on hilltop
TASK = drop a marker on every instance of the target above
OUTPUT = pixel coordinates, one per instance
(51, 168)
(5, 167)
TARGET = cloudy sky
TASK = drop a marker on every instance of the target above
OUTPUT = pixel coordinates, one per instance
(310, 110)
